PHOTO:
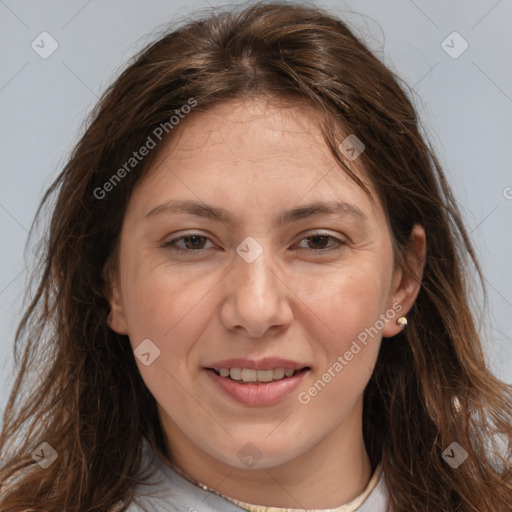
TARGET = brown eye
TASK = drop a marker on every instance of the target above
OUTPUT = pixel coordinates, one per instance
(193, 242)
(318, 243)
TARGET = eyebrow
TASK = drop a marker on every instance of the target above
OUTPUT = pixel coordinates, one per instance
(220, 214)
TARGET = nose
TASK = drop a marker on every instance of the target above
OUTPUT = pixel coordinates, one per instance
(256, 298)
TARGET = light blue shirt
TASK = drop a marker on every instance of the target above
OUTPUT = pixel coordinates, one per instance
(173, 493)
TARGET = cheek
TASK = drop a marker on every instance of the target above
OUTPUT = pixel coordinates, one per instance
(345, 334)
(171, 312)
(343, 304)
(169, 307)
(343, 319)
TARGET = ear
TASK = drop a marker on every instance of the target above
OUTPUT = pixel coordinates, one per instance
(407, 281)
(116, 318)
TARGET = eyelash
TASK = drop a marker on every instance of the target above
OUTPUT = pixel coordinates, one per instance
(171, 244)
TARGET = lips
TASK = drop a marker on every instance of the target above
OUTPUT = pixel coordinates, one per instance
(267, 363)
(266, 390)
(256, 394)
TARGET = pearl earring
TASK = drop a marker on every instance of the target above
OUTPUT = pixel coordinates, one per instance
(402, 321)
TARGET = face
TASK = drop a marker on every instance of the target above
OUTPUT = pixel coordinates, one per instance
(256, 273)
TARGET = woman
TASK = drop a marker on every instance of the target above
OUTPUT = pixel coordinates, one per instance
(255, 293)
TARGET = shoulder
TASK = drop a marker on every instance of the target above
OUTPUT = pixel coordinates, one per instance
(164, 490)
(378, 499)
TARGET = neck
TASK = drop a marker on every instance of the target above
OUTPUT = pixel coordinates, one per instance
(333, 472)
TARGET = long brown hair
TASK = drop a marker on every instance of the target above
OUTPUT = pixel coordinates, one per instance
(431, 385)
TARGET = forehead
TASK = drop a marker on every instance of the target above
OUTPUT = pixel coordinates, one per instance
(252, 147)
(255, 131)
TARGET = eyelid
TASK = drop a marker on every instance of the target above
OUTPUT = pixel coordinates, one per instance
(339, 241)
(171, 244)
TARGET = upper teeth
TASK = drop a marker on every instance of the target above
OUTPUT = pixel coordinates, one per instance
(250, 375)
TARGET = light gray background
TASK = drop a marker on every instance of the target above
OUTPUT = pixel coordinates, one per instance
(465, 104)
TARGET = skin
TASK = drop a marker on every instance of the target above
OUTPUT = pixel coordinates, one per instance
(257, 158)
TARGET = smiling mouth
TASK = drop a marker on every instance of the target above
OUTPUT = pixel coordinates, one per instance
(251, 376)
